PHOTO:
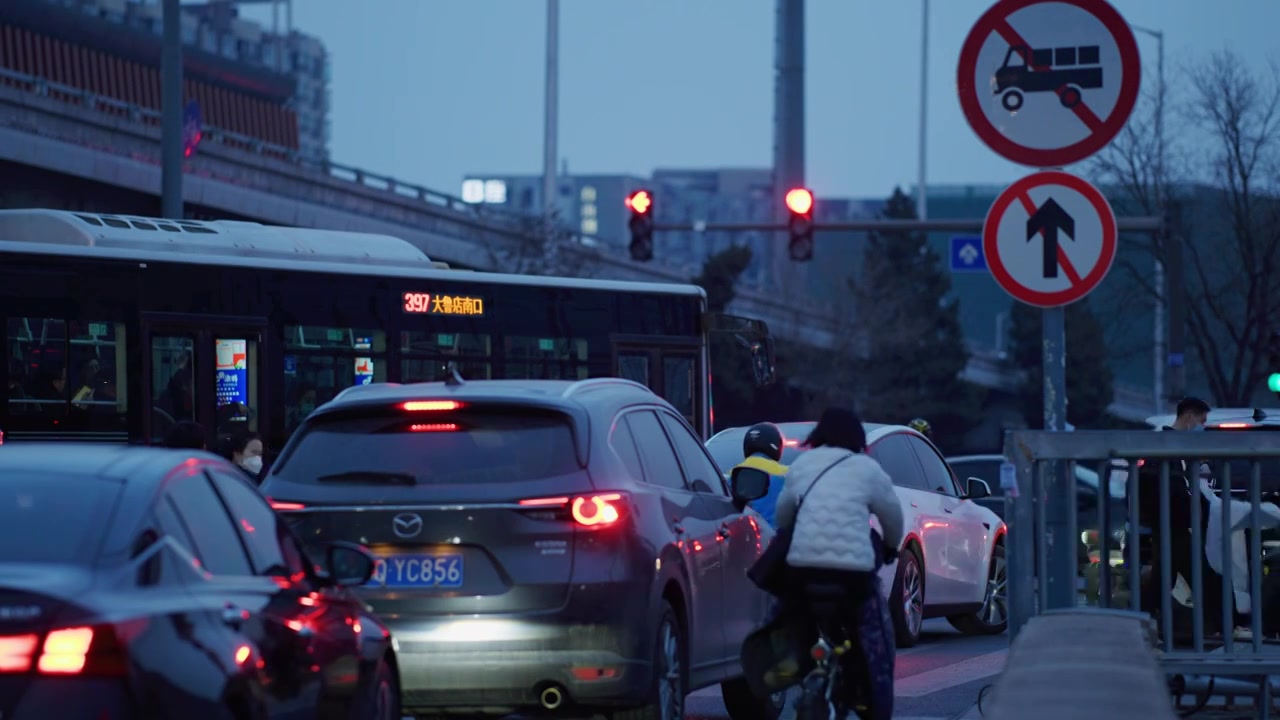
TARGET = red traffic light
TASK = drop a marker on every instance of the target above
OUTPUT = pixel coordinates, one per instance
(799, 201)
(640, 201)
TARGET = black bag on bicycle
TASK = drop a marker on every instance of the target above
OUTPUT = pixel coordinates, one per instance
(769, 572)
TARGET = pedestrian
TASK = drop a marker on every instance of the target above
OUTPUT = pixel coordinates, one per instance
(1184, 478)
(244, 449)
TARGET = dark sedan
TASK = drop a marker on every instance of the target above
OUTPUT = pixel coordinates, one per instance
(147, 583)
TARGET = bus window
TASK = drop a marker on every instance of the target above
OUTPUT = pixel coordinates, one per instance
(236, 392)
(634, 366)
(173, 391)
(677, 384)
(66, 376)
(323, 361)
(545, 358)
(426, 356)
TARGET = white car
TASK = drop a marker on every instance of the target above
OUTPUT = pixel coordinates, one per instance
(952, 559)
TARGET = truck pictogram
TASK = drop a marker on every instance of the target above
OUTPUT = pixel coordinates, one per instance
(1065, 70)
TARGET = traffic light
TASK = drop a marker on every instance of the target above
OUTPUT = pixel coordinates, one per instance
(1273, 361)
(640, 203)
(800, 204)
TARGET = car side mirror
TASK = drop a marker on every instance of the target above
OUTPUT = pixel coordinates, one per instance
(348, 564)
(748, 484)
(976, 489)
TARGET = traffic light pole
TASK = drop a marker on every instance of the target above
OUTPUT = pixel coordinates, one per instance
(1144, 224)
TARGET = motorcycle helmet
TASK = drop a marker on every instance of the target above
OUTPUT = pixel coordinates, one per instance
(763, 438)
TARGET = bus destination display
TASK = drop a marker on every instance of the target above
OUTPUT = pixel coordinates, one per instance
(418, 303)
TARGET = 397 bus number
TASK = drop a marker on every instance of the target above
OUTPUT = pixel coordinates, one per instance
(417, 302)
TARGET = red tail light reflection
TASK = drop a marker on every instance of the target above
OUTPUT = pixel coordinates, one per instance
(433, 427)
(282, 506)
(598, 510)
(430, 405)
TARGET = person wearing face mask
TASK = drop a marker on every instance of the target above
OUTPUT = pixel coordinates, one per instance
(245, 450)
(1184, 479)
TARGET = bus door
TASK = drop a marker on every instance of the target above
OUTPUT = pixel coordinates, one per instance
(670, 367)
(203, 370)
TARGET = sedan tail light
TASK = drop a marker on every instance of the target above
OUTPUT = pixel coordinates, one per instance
(87, 650)
(596, 510)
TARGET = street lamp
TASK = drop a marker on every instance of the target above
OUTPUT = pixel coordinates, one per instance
(922, 203)
(1161, 351)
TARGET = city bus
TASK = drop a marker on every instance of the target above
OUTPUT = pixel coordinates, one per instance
(120, 327)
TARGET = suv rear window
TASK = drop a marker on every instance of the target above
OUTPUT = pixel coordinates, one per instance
(457, 448)
(32, 502)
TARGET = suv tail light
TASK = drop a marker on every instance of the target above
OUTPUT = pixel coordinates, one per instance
(282, 506)
(430, 405)
(69, 651)
(596, 510)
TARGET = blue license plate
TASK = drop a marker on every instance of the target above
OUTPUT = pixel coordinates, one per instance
(414, 571)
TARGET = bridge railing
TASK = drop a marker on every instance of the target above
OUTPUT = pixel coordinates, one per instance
(93, 102)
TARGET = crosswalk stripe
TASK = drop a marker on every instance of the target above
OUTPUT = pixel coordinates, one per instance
(948, 676)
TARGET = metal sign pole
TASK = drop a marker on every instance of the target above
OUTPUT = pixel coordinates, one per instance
(1058, 581)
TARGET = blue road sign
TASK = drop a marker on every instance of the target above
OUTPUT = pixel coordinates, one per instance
(966, 254)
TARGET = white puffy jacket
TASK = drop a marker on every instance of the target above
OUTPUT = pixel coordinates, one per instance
(833, 529)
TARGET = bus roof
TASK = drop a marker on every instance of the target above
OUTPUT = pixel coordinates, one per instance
(253, 245)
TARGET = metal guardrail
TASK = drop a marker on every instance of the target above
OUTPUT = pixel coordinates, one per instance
(1189, 525)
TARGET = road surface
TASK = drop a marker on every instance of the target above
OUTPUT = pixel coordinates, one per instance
(938, 679)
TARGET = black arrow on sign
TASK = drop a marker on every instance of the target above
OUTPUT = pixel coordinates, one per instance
(1047, 220)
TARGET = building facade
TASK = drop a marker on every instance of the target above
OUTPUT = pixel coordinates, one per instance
(269, 88)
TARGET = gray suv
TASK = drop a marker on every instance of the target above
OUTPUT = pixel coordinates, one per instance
(543, 544)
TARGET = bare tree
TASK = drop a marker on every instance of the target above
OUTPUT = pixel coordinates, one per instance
(541, 247)
(1232, 140)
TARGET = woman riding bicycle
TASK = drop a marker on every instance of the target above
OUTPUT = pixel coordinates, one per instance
(830, 494)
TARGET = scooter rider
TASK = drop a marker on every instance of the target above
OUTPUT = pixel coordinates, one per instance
(762, 450)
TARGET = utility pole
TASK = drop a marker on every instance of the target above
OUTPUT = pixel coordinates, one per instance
(550, 106)
(171, 113)
(922, 202)
(1162, 354)
(788, 131)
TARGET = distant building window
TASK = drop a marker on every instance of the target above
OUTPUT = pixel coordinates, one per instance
(588, 194)
(590, 226)
(495, 191)
(588, 210)
(473, 191)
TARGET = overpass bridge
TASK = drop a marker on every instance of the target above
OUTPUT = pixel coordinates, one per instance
(69, 132)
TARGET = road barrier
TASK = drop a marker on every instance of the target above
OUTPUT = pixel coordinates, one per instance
(1219, 542)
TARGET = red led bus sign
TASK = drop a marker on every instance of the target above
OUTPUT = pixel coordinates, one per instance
(417, 303)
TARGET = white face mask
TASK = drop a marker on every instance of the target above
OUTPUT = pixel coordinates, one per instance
(252, 463)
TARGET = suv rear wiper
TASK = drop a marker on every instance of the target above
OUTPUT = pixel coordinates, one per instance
(376, 476)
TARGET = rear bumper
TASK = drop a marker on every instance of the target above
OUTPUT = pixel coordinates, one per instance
(501, 664)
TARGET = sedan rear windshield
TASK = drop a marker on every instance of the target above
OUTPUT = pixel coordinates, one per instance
(460, 448)
(53, 518)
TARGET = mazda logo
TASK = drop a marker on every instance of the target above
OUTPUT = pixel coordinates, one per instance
(407, 525)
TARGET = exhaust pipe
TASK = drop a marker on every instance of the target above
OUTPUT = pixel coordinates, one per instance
(551, 698)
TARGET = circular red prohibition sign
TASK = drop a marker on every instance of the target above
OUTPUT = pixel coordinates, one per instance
(1102, 130)
(1020, 192)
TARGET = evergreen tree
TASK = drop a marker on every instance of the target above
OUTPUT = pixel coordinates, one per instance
(910, 346)
(1089, 378)
(732, 388)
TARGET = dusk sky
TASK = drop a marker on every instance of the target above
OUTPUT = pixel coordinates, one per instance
(428, 91)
